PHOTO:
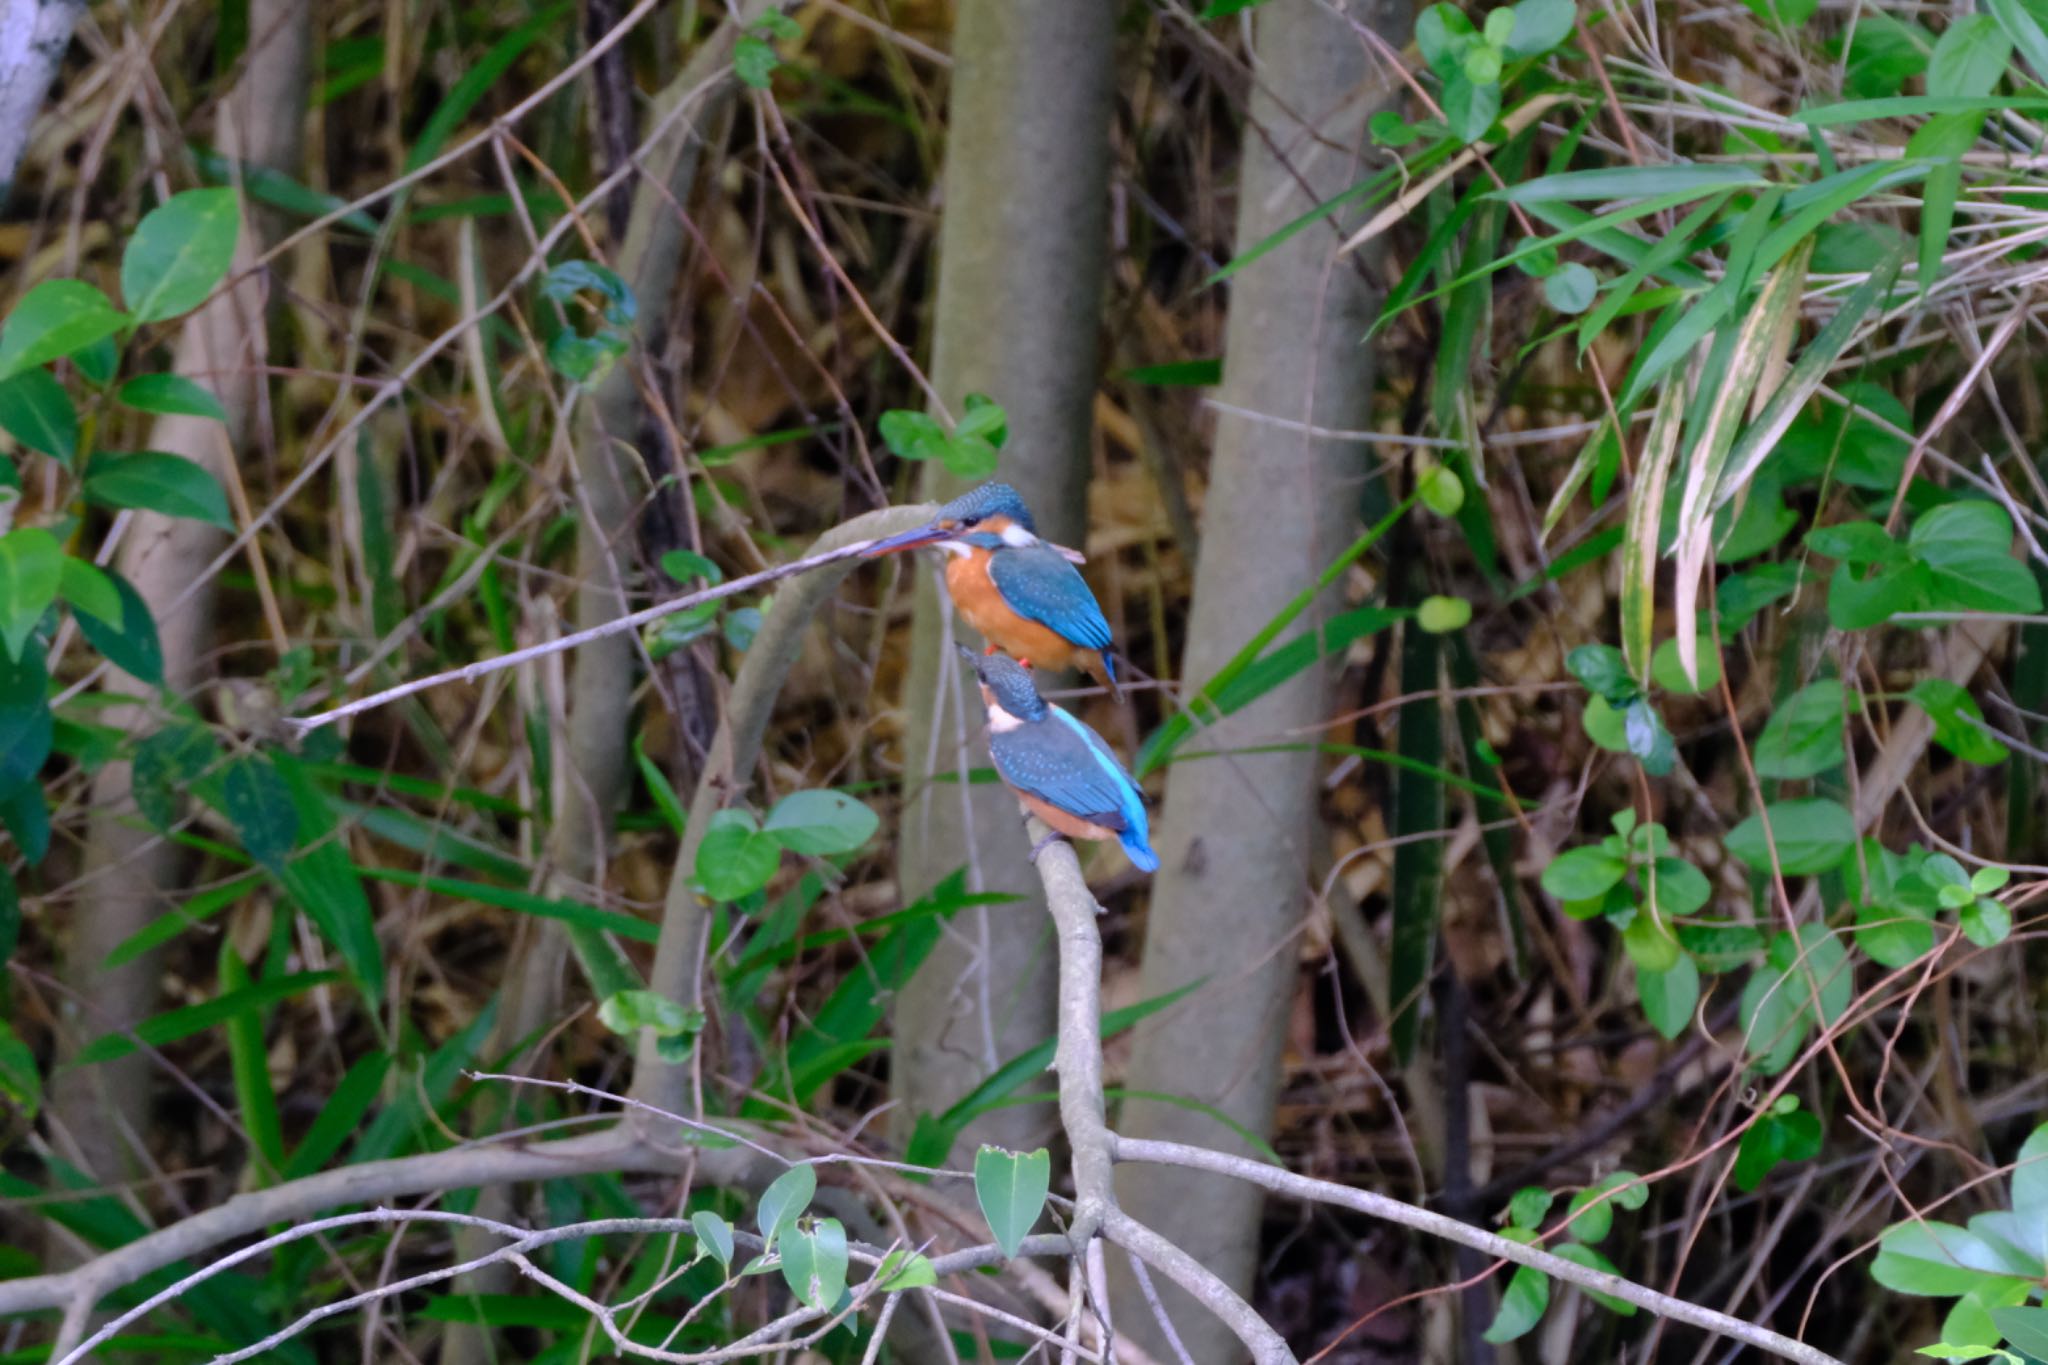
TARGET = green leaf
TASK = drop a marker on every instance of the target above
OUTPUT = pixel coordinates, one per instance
(2030, 1177)
(20, 1083)
(814, 1261)
(1529, 1206)
(132, 645)
(1855, 542)
(1668, 672)
(158, 482)
(1952, 710)
(89, 590)
(31, 571)
(1603, 671)
(1773, 1140)
(1804, 735)
(258, 804)
(627, 1012)
(182, 1023)
(685, 566)
(902, 1270)
(170, 395)
(1580, 1254)
(1540, 25)
(1936, 1260)
(165, 764)
(1521, 1306)
(10, 910)
(1628, 182)
(1669, 997)
(1777, 1006)
(1967, 545)
(249, 1067)
(1441, 615)
(341, 1117)
(323, 882)
(2025, 1328)
(181, 249)
(754, 62)
(566, 282)
(1011, 1187)
(1648, 738)
(2025, 32)
(1969, 57)
(820, 823)
(1440, 488)
(1470, 108)
(35, 410)
(735, 858)
(1985, 922)
(785, 1200)
(1572, 289)
(54, 319)
(1812, 835)
(912, 435)
(714, 1237)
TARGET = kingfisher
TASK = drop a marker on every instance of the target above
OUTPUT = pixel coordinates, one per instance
(1020, 593)
(1063, 771)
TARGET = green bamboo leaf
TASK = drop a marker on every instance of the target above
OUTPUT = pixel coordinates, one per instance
(1639, 541)
(1789, 399)
(1763, 338)
(249, 1065)
(172, 1025)
(1630, 182)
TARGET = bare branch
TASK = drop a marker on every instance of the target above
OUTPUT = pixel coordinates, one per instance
(1464, 1234)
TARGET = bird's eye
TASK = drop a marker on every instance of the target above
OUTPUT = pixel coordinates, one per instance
(968, 523)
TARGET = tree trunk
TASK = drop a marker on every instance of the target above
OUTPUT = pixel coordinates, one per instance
(1021, 259)
(1237, 836)
(33, 36)
(132, 875)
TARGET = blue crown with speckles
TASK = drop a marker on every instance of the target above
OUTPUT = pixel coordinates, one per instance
(989, 500)
(1010, 682)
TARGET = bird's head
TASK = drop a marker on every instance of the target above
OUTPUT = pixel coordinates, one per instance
(1006, 686)
(993, 514)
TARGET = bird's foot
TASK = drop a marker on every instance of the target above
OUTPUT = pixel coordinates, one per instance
(1023, 662)
(988, 649)
(1041, 845)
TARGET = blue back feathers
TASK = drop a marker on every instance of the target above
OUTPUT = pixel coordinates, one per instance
(1040, 585)
(1062, 762)
(989, 500)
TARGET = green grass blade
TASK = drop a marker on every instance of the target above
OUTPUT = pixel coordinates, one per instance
(172, 1025)
(250, 1066)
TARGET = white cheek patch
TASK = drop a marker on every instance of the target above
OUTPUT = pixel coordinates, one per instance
(1017, 537)
(1001, 721)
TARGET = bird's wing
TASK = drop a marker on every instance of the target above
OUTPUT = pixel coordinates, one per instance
(1043, 587)
(1053, 761)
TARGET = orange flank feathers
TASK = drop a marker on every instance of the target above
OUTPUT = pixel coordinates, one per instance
(976, 599)
(1073, 826)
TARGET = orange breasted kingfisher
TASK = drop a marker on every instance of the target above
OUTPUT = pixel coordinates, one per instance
(1020, 593)
(1063, 771)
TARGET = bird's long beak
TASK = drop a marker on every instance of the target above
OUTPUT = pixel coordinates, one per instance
(931, 533)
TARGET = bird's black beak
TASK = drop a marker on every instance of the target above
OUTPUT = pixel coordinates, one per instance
(931, 533)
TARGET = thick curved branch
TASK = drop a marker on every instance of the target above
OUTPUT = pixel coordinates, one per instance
(618, 1148)
(662, 1084)
(1079, 1063)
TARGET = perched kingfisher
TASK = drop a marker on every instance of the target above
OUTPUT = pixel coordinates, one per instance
(1019, 592)
(1063, 771)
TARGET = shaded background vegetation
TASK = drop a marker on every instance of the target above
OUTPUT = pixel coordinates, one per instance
(1353, 960)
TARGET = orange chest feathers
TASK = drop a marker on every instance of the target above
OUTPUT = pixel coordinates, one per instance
(976, 597)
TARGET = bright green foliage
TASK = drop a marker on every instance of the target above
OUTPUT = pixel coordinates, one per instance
(784, 1201)
(739, 854)
(1588, 1219)
(181, 250)
(1784, 1133)
(814, 1261)
(969, 451)
(579, 356)
(1471, 62)
(1011, 1187)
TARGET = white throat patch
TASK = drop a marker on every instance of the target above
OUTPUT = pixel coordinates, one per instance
(1001, 721)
